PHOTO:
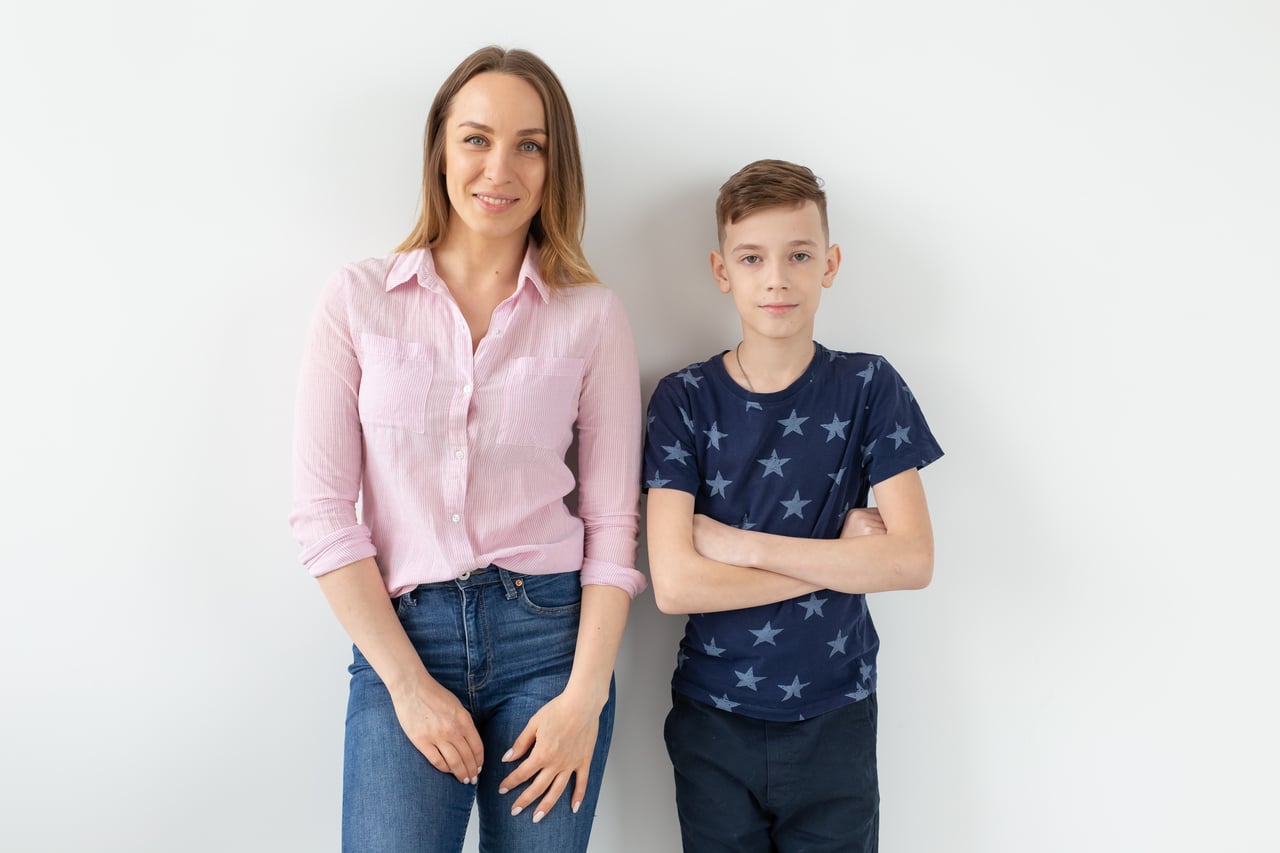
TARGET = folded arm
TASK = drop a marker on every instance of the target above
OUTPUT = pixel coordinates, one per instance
(902, 558)
(685, 581)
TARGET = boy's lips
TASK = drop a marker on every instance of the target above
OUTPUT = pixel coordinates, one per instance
(778, 308)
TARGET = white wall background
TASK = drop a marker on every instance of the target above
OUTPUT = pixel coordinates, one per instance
(1059, 220)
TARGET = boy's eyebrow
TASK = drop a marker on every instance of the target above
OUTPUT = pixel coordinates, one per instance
(752, 247)
(478, 126)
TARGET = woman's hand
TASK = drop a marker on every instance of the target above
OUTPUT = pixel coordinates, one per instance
(440, 728)
(563, 737)
(863, 521)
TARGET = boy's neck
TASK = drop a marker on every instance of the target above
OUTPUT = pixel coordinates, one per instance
(766, 365)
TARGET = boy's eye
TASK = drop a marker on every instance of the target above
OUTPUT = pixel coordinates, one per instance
(801, 256)
(751, 259)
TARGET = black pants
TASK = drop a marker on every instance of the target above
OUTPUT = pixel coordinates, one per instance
(752, 786)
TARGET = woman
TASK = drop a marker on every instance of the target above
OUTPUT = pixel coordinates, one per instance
(441, 386)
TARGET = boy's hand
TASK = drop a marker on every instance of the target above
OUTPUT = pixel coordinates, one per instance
(863, 521)
(562, 735)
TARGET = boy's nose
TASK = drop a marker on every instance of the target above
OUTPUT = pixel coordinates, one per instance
(778, 278)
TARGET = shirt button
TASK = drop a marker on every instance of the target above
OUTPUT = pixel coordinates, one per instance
(457, 454)
(466, 389)
(456, 518)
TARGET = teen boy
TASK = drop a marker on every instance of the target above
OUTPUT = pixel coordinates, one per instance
(756, 461)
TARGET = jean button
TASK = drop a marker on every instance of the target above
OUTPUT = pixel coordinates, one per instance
(464, 576)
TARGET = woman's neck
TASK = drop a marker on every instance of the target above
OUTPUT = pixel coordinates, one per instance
(464, 260)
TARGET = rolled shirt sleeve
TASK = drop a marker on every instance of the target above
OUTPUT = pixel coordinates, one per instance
(609, 443)
(327, 450)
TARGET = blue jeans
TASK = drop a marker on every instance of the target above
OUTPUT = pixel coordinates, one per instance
(503, 643)
(754, 786)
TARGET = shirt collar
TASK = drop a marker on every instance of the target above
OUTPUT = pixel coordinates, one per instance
(418, 266)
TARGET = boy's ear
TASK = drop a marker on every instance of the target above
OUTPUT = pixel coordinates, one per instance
(718, 270)
(833, 265)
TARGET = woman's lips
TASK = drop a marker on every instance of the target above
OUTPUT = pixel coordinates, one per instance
(493, 203)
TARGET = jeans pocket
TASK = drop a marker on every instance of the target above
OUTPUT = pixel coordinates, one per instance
(551, 595)
(540, 402)
(394, 381)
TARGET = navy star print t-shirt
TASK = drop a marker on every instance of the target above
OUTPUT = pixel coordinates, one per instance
(791, 463)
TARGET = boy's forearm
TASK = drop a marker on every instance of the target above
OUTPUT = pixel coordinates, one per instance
(859, 565)
(695, 584)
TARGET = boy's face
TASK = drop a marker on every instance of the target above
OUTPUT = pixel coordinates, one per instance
(775, 263)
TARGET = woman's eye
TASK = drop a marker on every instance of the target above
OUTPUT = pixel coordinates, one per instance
(474, 140)
(530, 147)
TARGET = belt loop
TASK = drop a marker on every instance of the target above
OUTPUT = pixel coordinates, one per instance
(508, 583)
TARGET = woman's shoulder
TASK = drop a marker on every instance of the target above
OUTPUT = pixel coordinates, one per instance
(589, 297)
(378, 274)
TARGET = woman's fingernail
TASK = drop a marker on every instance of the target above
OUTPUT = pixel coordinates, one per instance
(538, 816)
(502, 790)
(516, 810)
(575, 806)
(506, 756)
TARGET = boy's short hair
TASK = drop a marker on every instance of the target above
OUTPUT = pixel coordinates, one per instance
(764, 184)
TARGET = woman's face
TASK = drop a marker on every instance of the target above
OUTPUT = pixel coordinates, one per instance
(495, 159)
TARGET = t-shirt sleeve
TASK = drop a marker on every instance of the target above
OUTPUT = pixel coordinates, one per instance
(897, 437)
(669, 459)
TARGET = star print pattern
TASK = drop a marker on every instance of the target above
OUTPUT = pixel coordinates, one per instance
(773, 465)
(765, 634)
(793, 689)
(792, 424)
(795, 506)
(717, 485)
(688, 421)
(677, 452)
(689, 377)
(813, 606)
(754, 462)
(714, 435)
(723, 703)
(748, 679)
(655, 482)
(835, 429)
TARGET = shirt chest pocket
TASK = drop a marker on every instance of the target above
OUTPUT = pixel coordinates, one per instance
(540, 402)
(394, 381)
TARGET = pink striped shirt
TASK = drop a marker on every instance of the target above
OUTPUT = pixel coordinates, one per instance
(458, 458)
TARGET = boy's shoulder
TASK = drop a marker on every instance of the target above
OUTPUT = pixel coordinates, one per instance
(691, 376)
